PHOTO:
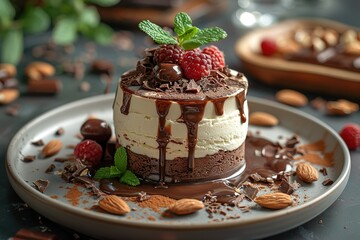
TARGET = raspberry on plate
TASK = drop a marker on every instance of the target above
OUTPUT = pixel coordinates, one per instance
(89, 152)
(217, 57)
(268, 46)
(196, 65)
(350, 133)
(168, 53)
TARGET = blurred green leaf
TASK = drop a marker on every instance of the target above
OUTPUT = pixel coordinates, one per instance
(104, 3)
(65, 31)
(12, 46)
(6, 9)
(103, 34)
(89, 16)
(35, 20)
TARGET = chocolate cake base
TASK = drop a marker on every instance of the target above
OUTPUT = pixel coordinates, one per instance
(220, 165)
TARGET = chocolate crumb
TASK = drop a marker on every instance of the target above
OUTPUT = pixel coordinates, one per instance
(320, 221)
(29, 158)
(318, 103)
(60, 132)
(323, 171)
(327, 182)
(12, 110)
(50, 168)
(41, 185)
(38, 143)
(58, 159)
(286, 187)
(151, 218)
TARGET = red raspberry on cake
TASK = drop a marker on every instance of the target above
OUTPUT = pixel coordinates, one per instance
(89, 152)
(196, 65)
(217, 57)
(168, 53)
(268, 46)
(350, 133)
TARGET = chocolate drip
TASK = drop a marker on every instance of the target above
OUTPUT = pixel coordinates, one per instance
(163, 136)
(126, 103)
(240, 99)
(223, 189)
(192, 113)
(219, 106)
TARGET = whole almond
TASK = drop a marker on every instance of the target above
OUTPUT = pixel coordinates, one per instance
(263, 119)
(10, 69)
(186, 206)
(276, 200)
(114, 204)
(39, 70)
(341, 107)
(51, 148)
(307, 172)
(8, 95)
(291, 97)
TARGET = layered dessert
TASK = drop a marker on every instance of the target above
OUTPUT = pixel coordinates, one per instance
(181, 114)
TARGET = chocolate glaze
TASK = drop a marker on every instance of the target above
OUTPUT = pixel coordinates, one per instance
(266, 165)
(126, 103)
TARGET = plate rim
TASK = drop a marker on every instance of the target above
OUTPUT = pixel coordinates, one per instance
(341, 181)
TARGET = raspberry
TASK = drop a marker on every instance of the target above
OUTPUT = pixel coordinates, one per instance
(268, 47)
(196, 65)
(217, 57)
(168, 53)
(350, 133)
(89, 152)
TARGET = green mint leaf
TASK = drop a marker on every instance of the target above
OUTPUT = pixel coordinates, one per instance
(6, 10)
(182, 22)
(107, 172)
(102, 34)
(130, 178)
(65, 31)
(188, 34)
(120, 159)
(104, 3)
(158, 34)
(12, 46)
(204, 36)
(89, 16)
(36, 20)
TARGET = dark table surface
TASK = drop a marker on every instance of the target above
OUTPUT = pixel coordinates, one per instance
(339, 221)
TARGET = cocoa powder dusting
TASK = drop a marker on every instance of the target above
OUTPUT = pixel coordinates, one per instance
(315, 153)
(73, 195)
(156, 202)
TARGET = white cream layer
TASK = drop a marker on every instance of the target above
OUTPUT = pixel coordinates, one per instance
(138, 129)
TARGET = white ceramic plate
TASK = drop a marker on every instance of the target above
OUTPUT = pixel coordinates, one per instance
(257, 223)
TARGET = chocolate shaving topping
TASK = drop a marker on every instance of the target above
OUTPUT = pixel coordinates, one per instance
(29, 158)
(41, 185)
(192, 87)
(327, 182)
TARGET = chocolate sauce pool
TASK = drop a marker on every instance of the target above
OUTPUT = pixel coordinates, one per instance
(263, 159)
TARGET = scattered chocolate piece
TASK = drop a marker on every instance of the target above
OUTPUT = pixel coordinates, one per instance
(250, 191)
(23, 234)
(50, 168)
(12, 110)
(44, 86)
(108, 81)
(29, 158)
(318, 103)
(327, 182)
(38, 143)
(102, 66)
(41, 185)
(192, 87)
(58, 159)
(323, 171)
(286, 187)
(60, 131)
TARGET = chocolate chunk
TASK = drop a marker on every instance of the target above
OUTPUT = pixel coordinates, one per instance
(41, 185)
(50, 168)
(269, 151)
(192, 87)
(102, 66)
(32, 235)
(323, 171)
(286, 187)
(29, 158)
(38, 143)
(327, 182)
(60, 132)
(250, 191)
(45, 86)
(290, 143)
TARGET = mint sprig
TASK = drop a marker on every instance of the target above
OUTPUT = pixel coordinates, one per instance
(119, 170)
(188, 36)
